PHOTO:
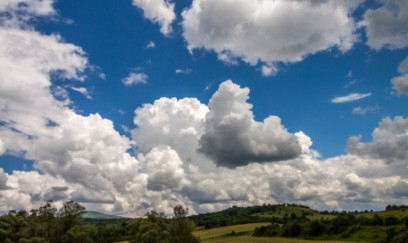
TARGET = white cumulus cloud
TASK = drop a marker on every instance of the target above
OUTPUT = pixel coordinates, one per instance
(269, 31)
(135, 78)
(158, 11)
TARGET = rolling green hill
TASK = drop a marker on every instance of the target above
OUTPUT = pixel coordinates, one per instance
(278, 213)
(301, 222)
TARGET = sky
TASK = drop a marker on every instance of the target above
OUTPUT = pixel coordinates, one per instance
(130, 106)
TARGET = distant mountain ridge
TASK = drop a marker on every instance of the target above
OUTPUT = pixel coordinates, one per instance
(98, 215)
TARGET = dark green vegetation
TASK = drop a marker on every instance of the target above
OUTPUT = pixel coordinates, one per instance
(300, 221)
(49, 224)
(266, 223)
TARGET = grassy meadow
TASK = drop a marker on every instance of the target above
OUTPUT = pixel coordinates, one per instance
(243, 234)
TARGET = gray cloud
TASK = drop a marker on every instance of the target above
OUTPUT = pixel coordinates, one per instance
(387, 26)
(233, 138)
(3, 180)
(91, 196)
(400, 189)
(400, 83)
(56, 194)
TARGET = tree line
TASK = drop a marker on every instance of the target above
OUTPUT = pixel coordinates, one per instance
(49, 224)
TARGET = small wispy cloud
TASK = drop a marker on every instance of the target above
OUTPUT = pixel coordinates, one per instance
(227, 58)
(135, 78)
(268, 70)
(365, 110)
(351, 80)
(183, 71)
(350, 97)
(208, 86)
(150, 44)
(83, 91)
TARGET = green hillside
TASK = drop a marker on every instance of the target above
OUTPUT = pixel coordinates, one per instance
(301, 222)
(278, 213)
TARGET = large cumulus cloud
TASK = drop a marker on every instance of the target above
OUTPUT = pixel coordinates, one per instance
(269, 31)
(233, 138)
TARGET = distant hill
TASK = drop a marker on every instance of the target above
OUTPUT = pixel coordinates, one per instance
(254, 214)
(97, 215)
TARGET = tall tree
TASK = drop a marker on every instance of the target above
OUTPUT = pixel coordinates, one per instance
(69, 214)
(181, 228)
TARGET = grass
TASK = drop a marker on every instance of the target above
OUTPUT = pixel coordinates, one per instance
(243, 234)
(218, 232)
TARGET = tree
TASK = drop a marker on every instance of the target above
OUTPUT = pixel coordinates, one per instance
(80, 233)
(152, 229)
(293, 229)
(69, 215)
(46, 217)
(317, 228)
(181, 228)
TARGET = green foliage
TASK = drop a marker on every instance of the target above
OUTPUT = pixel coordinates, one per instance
(180, 227)
(69, 215)
(270, 231)
(45, 224)
(156, 228)
(80, 233)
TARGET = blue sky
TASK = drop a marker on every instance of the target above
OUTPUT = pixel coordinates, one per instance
(115, 37)
(324, 72)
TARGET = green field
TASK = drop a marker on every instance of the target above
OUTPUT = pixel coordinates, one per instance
(219, 232)
(243, 235)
